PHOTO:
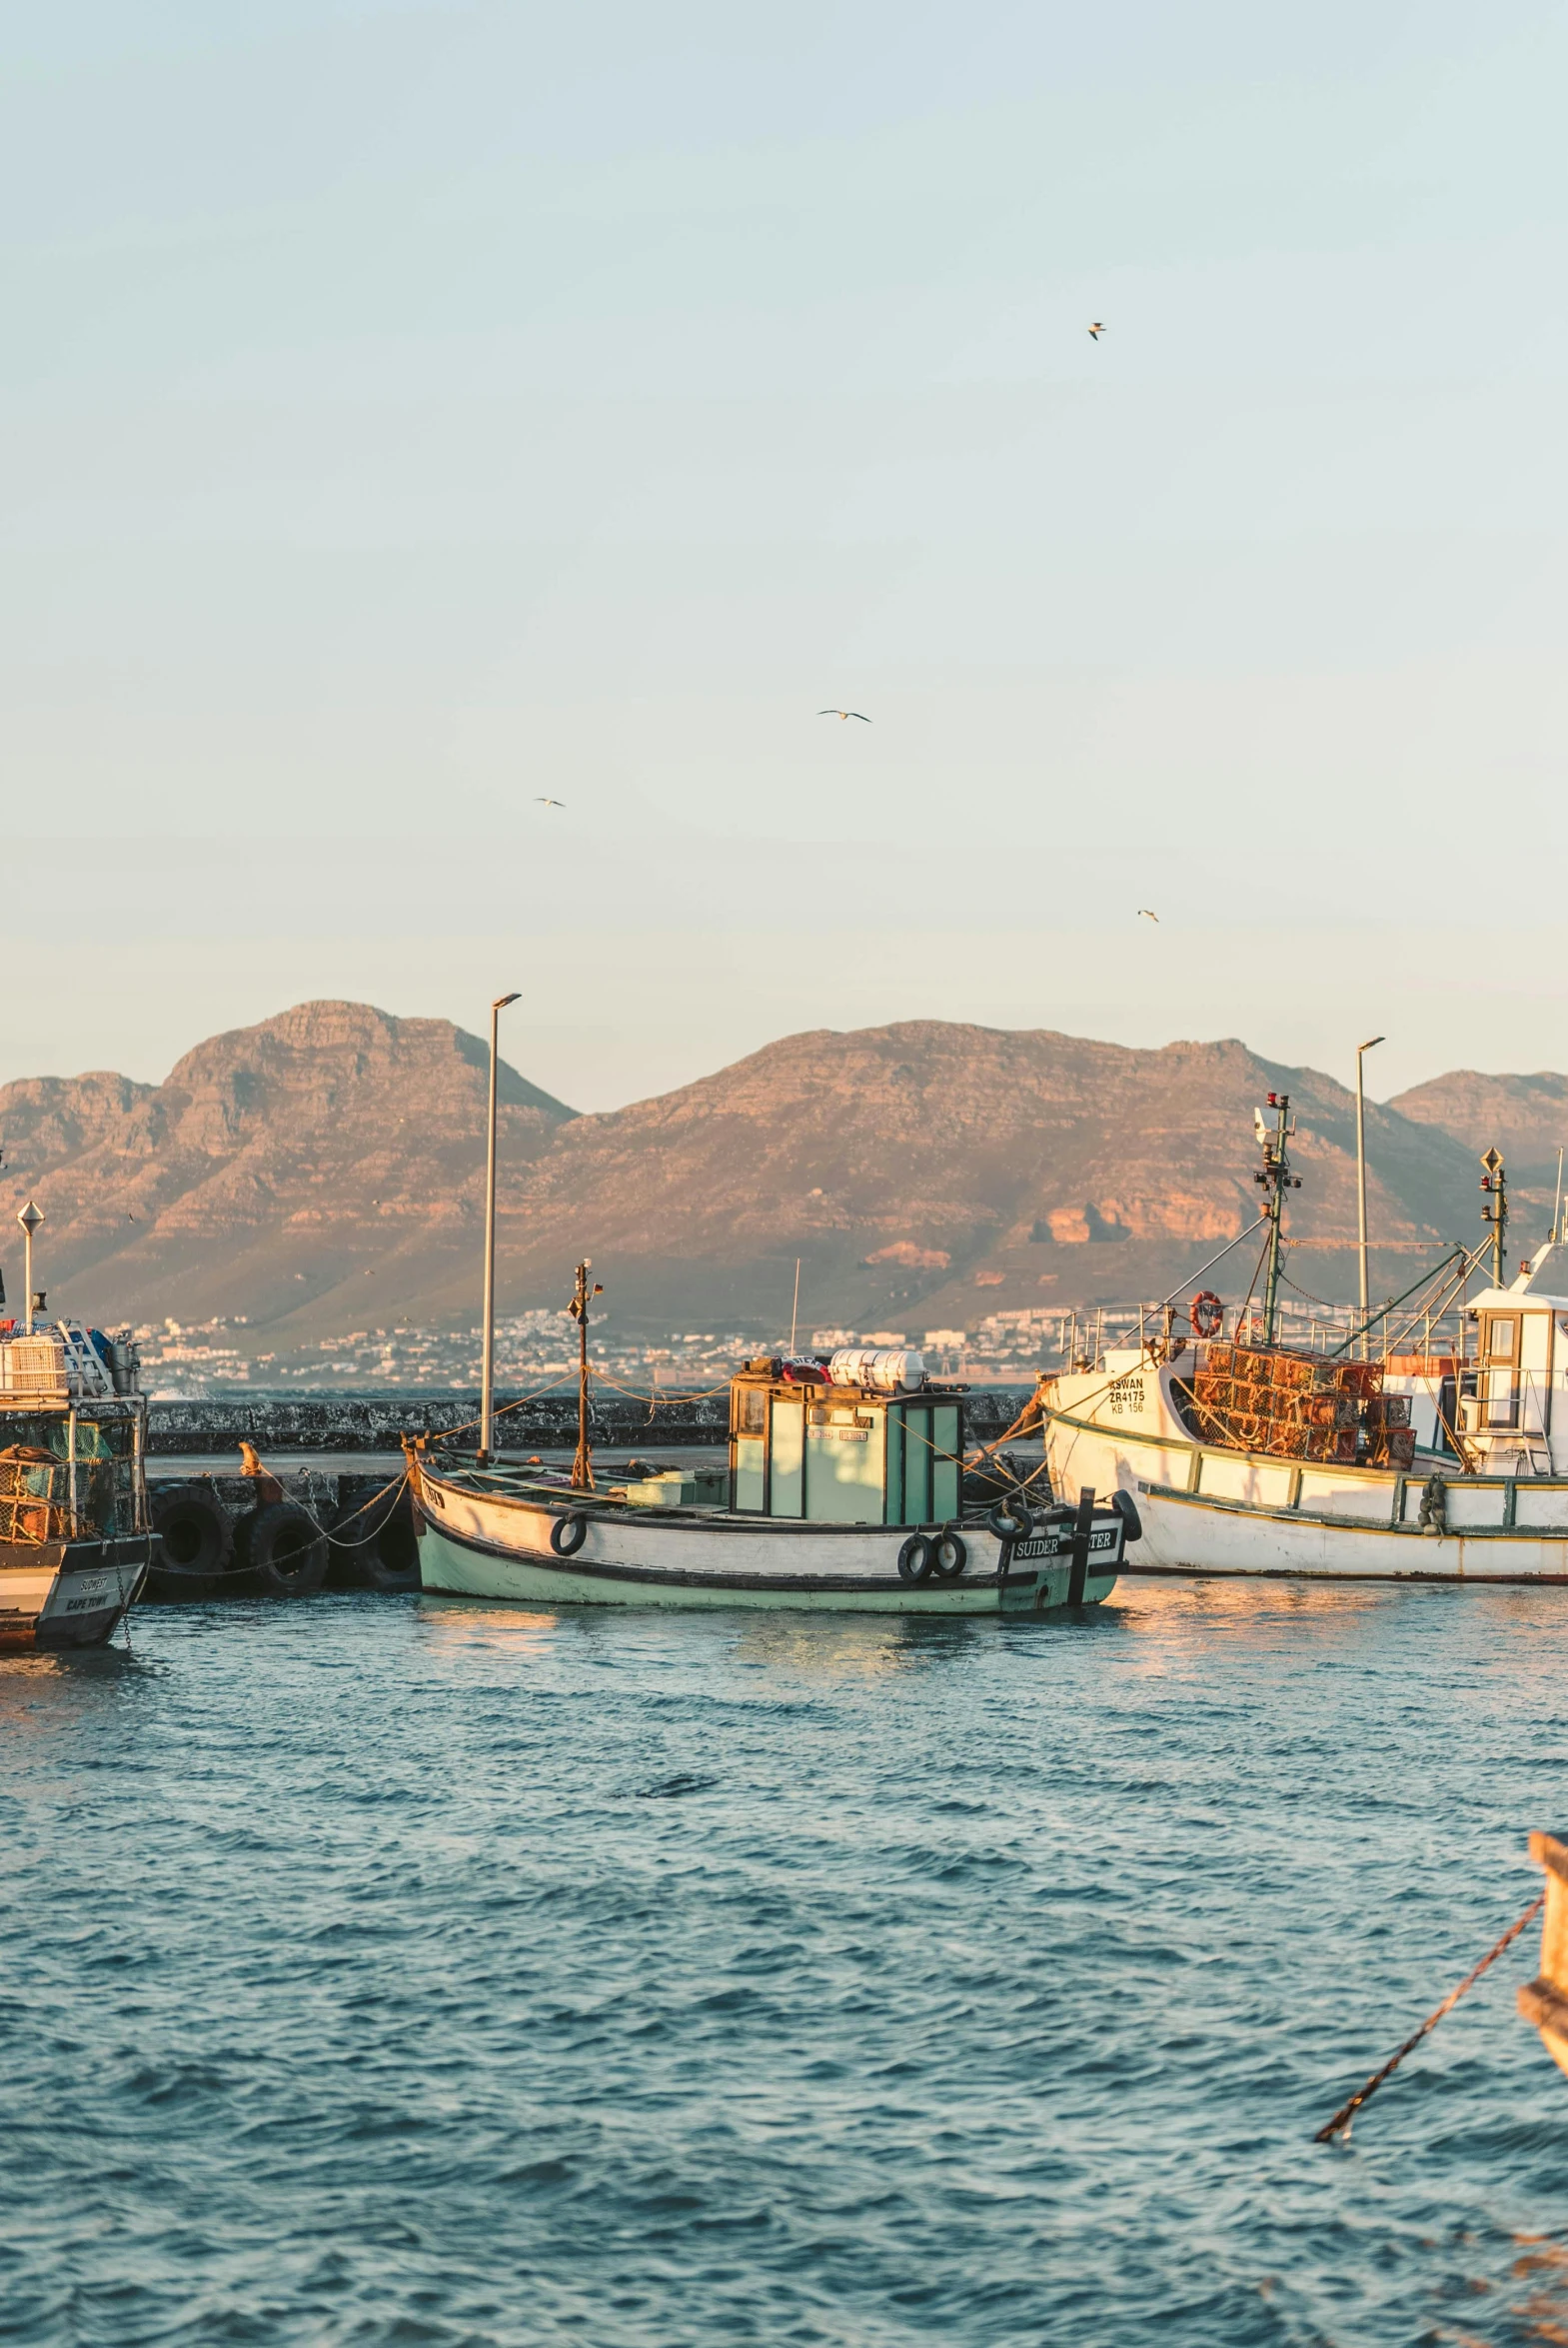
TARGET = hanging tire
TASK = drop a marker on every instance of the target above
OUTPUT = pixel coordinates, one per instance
(914, 1558)
(1126, 1508)
(948, 1554)
(195, 1540)
(1011, 1519)
(283, 1551)
(568, 1533)
(373, 1544)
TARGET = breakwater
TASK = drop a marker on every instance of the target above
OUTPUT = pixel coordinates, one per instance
(378, 1422)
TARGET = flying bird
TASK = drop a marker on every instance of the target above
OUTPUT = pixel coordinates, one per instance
(1098, 329)
(1145, 916)
(550, 802)
(860, 713)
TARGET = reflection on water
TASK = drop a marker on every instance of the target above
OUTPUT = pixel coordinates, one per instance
(456, 1627)
(422, 1970)
(1542, 2265)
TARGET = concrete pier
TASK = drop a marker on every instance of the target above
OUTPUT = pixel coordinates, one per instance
(349, 1423)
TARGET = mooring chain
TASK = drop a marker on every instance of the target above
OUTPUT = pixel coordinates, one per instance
(1341, 2123)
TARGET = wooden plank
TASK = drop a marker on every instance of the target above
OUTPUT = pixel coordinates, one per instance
(1548, 1852)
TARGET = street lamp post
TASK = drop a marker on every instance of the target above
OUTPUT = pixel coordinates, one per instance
(487, 1396)
(1361, 1050)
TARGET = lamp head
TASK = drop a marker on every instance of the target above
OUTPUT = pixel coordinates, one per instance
(1367, 1045)
(502, 1000)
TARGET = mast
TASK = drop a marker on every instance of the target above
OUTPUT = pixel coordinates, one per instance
(1494, 1186)
(583, 1464)
(1276, 1177)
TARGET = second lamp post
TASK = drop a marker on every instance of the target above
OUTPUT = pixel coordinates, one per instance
(487, 1395)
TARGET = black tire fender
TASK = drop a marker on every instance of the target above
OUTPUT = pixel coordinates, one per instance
(914, 1558)
(1126, 1508)
(569, 1533)
(374, 1545)
(195, 1530)
(949, 1553)
(1010, 1520)
(283, 1550)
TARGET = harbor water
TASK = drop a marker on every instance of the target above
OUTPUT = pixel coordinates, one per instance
(397, 1970)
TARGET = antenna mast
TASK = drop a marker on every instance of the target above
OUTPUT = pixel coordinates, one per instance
(1494, 1186)
(583, 1464)
(1276, 1177)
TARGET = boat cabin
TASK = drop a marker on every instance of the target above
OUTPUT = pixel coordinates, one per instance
(72, 1436)
(808, 1444)
(1513, 1418)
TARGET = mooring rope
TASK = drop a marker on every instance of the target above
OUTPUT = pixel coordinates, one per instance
(1339, 2125)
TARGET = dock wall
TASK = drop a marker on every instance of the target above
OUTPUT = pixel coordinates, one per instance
(378, 1422)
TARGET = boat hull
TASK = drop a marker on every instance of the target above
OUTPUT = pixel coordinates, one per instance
(475, 1545)
(1208, 1511)
(69, 1593)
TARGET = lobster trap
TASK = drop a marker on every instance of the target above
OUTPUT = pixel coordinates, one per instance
(1289, 1404)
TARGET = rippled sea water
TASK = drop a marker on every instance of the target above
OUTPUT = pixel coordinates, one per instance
(405, 1970)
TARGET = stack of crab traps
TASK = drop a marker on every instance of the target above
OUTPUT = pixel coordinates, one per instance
(1294, 1405)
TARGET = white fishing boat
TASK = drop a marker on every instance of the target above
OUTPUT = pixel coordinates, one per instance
(842, 1491)
(1253, 1459)
(75, 1542)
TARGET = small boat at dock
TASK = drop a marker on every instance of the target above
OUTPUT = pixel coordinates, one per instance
(842, 1492)
(75, 1538)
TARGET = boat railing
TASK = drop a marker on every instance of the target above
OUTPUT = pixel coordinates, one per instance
(1078, 1337)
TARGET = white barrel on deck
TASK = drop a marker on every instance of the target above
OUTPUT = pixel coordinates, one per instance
(877, 1370)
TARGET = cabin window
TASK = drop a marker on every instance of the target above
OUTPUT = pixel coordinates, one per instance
(944, 1464)
(754, 1410)
(785, 1484)
(750, 1472)
(1501, 1388)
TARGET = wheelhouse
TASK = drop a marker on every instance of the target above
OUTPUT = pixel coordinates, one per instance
(826, 1453)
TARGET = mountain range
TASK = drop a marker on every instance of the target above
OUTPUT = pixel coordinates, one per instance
(323, 1172)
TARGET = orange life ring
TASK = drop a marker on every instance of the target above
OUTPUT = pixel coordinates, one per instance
(1206, 1313)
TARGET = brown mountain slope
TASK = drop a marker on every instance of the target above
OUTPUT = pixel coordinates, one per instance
(927, 1173)
(1526, 1118)
(324, 1151)
(323, 1172)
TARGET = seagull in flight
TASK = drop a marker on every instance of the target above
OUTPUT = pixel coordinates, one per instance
(1098, 329)
(550, 802)
(860, 713)
(1145, 916)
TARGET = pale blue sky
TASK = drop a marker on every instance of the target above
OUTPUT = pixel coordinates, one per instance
(407, 410)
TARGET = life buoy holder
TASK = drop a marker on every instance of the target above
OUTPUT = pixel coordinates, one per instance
(569, 1533)
(1206, 1313)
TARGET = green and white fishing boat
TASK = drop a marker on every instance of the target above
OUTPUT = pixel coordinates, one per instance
(842, 1493)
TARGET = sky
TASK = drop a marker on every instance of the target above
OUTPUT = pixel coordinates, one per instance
(412, 411)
